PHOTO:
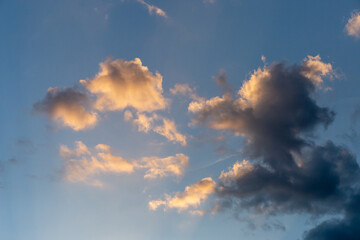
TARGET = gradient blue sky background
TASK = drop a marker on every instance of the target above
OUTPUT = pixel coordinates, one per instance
(57, 43)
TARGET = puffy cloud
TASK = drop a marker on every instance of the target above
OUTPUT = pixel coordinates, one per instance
(352, 27)
(273, 109)
(153, 9)
(319, 185)
(161, 167)
(82, 164)
(315, 69)
(69, 107)
(192, 197)
(121, 84)
(158, 124)
(287, 173)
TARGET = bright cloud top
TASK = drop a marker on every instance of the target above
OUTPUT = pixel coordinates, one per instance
(69, 108)
(352, 27)
(192, 197)
(81, 164)
(121, 84)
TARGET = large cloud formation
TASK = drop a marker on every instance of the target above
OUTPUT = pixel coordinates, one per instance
(121, 84)
(287, 172)
(68, 107)
(82, 164)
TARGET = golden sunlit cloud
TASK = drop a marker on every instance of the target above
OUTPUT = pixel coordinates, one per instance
(121, 84)
(82, 165)
(315, 69)
(158, 124)
(69, 108)
(352, 27)
(192, 197)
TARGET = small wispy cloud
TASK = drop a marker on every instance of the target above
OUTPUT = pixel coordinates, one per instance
(153, 9)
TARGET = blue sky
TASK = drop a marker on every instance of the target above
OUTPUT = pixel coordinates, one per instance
(81, 160)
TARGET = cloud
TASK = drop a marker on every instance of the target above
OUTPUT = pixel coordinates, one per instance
(185, 90)
(346, 228)
(162, 167)
(318, 183)
(192, 197)
(121, 84)
(153, 9)
(82, 164)
(80, 149)
(209, 1)
(101, 160)
(158, 124)
(68, 107)
(315, 69)
(272, 109)
(352, 27)
(287, 172)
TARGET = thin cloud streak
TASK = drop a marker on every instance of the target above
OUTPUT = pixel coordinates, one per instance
(153, 9)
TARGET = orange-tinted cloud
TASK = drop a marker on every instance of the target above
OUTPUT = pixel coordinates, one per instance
(158, 124)
(192, 197)
(68, 107)
(162, 167)
(83, 165)
(352, 27)
(121, 84)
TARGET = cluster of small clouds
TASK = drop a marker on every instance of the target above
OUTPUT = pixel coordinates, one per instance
(286, 172)
(119, 85)
(83, 165)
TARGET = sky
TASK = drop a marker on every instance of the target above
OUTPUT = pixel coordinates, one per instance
(201, 119)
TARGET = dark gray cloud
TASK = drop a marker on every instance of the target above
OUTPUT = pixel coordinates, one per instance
(344, 229)
(319, 184)
(276, 111)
